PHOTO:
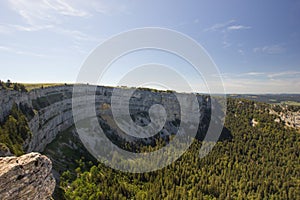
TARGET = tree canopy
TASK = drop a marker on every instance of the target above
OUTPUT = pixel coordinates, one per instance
(259, 162)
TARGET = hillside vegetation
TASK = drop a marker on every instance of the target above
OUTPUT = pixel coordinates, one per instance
(31, 86)
(261, 161)
(8, 85)
(14, 131)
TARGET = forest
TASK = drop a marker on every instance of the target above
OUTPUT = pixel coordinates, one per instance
(8, 85)
(260, 161)
(14, 130)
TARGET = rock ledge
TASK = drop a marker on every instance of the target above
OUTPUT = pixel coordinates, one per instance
(26, 177)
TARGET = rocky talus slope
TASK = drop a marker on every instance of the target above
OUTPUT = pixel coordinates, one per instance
(26, 177)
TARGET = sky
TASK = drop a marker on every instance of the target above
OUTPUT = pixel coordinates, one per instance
(255, 44)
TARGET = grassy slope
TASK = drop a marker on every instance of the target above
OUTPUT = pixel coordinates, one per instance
(31, 86)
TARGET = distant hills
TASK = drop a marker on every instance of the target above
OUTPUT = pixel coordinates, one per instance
(289, 99)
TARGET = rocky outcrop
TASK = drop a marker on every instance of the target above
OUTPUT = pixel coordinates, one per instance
(253, 122)
(290, 118)
(26, 177)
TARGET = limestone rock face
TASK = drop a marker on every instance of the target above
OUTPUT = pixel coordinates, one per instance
(290, 118)
(52, 109)
(26, 177)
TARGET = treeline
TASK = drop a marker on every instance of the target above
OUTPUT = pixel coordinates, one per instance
(8, 85)
(14, 131)
(261, 161)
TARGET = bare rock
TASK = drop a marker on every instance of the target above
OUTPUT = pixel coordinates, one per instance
(26, 177)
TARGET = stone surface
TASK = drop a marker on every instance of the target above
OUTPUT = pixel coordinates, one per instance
(26, 177)
(290, 118)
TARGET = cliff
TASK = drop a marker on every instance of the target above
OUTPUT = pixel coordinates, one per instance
(49, 110)
(26, 177)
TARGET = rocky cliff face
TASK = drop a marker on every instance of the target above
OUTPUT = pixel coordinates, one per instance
(26, 177)
(52, 108)
(51, 112)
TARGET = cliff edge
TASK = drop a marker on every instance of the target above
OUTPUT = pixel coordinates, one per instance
(26, 177)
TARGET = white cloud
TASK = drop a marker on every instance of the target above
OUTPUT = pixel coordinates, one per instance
(109, 7)
(238, 27)
(226, 44)
(63, 8)
(253, 73)
(4, 29)
(256, 86)
(285, 74)
(58, 17)
(55, 15)
(20, 52)
(272, 49)
(219, 26)
(262, 82)
(45, 12)
(225, 28)
(4, 48)
(241, 52)
(42, 14)
(10, 28)
(76, 35)
(30, 28)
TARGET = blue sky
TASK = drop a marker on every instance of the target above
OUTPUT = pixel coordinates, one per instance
(255, 44)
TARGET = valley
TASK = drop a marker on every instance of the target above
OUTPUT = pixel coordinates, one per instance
(245, 162)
